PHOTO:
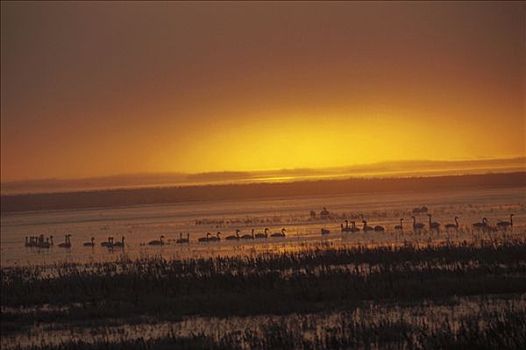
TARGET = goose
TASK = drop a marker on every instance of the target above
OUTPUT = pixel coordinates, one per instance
(325, 231)
(108, 243)
(250, 236)
(157, 242)
(433, 225)
(215, 238)
(453, 226)
(505, 224)
(481, 225)
(119, 244)
(233, 237)
(353, 227)
(401, 226)
(262, 235)
(91, 243)
(279, 234)
(182, 240)
(66, 243)
(204, 239)
(417, 225)
(366, 227)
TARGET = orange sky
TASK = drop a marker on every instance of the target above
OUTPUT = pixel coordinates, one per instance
(91, 89)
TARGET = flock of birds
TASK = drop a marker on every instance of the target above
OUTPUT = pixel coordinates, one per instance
(433, 226)
(483, 225)
(47, 242)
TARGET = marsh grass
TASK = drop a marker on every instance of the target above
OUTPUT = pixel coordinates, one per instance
(305, 281)
(503, 329)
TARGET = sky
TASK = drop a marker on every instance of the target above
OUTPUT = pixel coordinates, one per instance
(100, 88)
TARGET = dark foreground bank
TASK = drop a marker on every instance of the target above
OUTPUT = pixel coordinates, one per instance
(312, 282)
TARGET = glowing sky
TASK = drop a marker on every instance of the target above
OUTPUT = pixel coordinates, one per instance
(91, 89)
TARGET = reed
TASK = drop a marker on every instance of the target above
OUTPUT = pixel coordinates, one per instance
(501, 329)
(296, 282)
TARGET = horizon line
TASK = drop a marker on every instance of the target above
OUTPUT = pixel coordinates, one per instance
(248, 172)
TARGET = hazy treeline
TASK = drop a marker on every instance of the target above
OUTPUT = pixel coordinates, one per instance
(145, 196)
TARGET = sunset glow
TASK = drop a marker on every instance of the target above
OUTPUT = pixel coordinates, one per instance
(184, 87)
(263, 175)
(298, 140)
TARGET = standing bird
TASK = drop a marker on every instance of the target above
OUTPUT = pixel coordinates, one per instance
(279, 234)
(262, 235)
(157, 242)
(345, 228)
(417, 226)
(40, 241)
(30, 241)
(353, 227)
(401, 226)
(233, 237)
(433, 225)
(505, 224)
(46, 244)
(182, 240)
(90, 243)
(453, 226)
(67, 242)
(120, 244)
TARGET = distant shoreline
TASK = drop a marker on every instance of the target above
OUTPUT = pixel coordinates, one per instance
(111, 198)
(393, 169)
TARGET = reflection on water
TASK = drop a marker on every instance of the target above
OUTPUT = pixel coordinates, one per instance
(141, 224)
(428, 316)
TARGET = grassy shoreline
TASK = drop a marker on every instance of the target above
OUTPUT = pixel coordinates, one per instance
(301, 282)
